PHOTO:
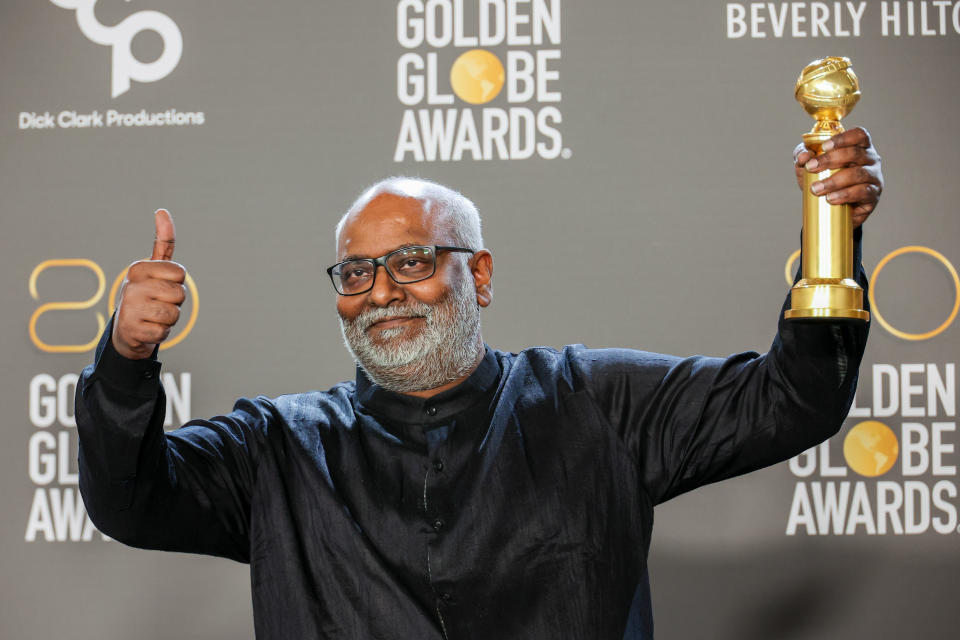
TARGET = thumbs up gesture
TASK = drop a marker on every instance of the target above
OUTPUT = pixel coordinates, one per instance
(151, 296)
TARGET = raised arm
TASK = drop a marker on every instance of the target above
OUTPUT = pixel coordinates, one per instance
(187, 490)
(692, 421)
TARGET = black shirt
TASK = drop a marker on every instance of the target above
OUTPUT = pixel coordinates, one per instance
(518, 504)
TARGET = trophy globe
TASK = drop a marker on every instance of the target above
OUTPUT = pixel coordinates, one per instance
(828, 90)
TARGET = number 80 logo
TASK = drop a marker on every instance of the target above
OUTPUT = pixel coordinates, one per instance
(875, 311)
(90, 302)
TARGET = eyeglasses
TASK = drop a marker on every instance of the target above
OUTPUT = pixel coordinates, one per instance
(405, 265)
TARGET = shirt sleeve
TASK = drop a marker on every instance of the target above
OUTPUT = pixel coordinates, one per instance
(693, 421)
(186, 490)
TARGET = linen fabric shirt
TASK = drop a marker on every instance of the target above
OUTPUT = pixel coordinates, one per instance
(518, 504)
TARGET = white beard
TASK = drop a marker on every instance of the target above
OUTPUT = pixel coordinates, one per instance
(444, 350)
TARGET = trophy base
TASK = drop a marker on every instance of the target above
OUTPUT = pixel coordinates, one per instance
(827, 299)
(852, 315)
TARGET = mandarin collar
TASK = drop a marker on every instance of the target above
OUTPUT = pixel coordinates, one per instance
(403, 408)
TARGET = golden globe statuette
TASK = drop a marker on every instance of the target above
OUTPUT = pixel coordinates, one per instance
(828, 89)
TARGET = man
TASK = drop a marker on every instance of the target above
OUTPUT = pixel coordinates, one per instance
(452, 491)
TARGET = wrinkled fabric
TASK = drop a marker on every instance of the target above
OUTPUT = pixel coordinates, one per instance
(517, 505)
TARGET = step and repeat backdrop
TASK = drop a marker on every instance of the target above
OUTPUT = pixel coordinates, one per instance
(632, 164)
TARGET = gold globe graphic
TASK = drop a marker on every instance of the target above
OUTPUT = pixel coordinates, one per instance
(477, 76)
(871, 448)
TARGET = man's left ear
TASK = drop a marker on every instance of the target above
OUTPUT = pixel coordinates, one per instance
(481, 267)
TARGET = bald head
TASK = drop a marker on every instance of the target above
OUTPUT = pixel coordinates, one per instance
(452, 213)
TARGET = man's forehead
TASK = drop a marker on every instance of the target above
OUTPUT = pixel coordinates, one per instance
(387, 221)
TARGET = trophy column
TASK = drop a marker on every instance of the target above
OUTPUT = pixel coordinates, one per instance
(827, 89)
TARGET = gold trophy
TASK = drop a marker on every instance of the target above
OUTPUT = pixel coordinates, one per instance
(828, 90)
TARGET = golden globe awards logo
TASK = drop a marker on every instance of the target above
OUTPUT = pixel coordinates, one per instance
(895, 473)
(479, 80)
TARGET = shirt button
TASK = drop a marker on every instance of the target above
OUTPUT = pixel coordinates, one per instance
(148, 375)
(446, 597)
(437, 524)
(431, 411)
(438, 466)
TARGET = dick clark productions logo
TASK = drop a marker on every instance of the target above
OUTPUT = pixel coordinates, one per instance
(125, 67)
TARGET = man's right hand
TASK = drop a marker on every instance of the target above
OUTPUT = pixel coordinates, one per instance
(151, 296)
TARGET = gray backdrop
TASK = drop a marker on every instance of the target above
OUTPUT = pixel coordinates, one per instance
(664, 223)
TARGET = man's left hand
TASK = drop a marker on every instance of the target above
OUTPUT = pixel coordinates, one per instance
(858, 180)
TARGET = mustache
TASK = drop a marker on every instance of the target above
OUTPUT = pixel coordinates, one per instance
(368, 318)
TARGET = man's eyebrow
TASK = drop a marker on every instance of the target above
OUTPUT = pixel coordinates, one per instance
(405, 245)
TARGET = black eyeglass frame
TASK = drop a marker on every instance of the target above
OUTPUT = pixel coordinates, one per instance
(382, 261)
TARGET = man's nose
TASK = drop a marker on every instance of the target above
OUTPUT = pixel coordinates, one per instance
(385, 290)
